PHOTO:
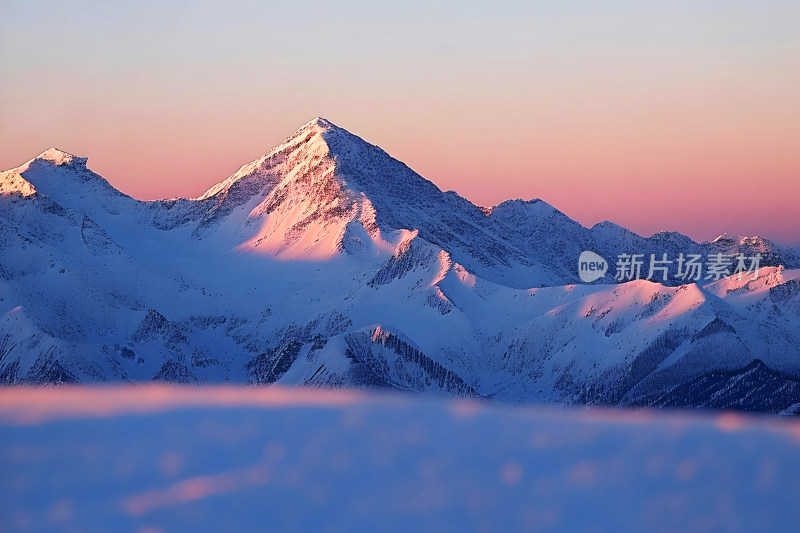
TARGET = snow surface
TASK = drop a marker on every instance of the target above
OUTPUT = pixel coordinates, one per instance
(158, 458)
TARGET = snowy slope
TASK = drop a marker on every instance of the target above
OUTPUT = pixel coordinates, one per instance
(328, 263)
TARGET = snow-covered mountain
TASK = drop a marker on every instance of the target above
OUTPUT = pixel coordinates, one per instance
(329, 263)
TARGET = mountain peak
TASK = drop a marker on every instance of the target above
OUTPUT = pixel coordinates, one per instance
(607, 225)
(726, 237)
(319, 122)
(12, 181)
(60, 157)
(316, 126)
(730, 239)
(308, 138)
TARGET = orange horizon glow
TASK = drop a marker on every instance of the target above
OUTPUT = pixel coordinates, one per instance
(675, 117)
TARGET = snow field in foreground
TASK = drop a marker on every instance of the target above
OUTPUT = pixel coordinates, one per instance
(159, 458)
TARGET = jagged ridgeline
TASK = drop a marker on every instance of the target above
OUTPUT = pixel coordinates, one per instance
(328, 263)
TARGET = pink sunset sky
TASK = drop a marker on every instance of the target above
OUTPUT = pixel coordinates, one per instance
(680, 115)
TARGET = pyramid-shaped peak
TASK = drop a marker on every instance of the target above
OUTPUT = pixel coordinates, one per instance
(313, 134)
(310, 138)
(319, 123)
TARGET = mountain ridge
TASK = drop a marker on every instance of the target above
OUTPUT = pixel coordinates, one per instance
(286, 270)
(316, 128)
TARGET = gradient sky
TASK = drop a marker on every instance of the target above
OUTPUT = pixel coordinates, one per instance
(658, 115)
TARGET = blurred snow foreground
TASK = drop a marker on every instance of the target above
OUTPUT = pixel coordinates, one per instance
(161, 458)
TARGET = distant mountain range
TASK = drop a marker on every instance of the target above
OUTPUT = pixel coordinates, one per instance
(329, 263)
